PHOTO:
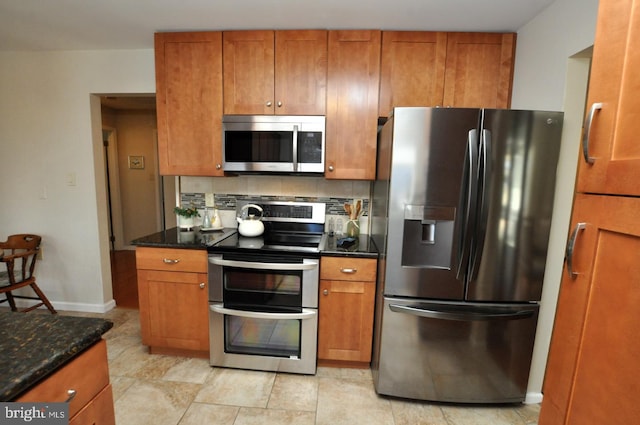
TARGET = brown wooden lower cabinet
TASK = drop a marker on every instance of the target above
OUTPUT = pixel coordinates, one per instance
(174, 300)
(592, 376)
(88, 376)
(346, 305)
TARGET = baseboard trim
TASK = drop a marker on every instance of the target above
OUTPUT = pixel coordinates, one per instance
(66, 306)
(533, 398)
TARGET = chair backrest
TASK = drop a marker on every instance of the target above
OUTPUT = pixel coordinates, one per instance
(24, 247)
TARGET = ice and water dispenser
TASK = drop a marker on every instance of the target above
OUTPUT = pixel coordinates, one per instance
(428, 236)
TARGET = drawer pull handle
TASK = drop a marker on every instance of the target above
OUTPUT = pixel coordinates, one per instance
(349, 271)
(587, 133)
(71, 394)
(571, 247)
(170, 261)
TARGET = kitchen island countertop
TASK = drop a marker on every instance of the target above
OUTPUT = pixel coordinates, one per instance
(34, 345)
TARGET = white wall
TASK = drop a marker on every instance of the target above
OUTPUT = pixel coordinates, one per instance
(138, 187)
(548, 76)
(47, 140)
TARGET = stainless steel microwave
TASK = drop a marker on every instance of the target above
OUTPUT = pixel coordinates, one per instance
(273, 143)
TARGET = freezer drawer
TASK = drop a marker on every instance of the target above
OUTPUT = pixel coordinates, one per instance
(454, 352)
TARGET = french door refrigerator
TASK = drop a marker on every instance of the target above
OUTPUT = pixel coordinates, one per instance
(461, 212)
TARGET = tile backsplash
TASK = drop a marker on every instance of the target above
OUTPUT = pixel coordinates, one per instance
(227, 190)
(223, 201)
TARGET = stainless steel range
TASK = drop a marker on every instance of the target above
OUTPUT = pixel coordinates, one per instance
(263, 291)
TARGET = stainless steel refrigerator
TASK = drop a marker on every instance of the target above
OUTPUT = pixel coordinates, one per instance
(461, 211)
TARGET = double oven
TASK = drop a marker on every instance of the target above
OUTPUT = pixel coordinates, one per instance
(263, 292)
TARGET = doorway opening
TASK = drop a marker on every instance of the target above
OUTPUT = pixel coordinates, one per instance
(134, 189)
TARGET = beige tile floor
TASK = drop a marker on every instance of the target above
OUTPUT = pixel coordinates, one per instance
(166, 390)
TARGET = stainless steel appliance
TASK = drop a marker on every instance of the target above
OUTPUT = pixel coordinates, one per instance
(461, 211)
(263, 291)
(273, 143)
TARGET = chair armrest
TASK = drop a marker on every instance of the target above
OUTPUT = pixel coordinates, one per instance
(13, 257)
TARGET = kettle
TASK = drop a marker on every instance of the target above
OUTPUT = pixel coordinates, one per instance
(252, 225)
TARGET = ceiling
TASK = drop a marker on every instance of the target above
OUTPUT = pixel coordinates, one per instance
(130, 24)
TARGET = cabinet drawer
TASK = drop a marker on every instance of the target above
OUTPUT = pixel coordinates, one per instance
(178, 260)
(342, 268)
(100, 411)
(87, 374)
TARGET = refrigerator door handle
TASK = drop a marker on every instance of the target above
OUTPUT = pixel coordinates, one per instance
(463, 315)
(484, 176)
(471, 170)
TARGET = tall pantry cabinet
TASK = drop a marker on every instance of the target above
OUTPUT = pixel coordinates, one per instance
(592, 375)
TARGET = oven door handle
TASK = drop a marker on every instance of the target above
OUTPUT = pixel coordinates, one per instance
(306, 265)
(307, 313)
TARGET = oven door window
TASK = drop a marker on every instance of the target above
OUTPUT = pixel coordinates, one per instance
(263, 290)
(263, 337)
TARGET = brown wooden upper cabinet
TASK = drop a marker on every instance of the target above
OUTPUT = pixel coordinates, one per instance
(479, 70)
(412, 69)
(275, 72)
(353, 77)
(469, 70)
(610, 155)
(189, 103)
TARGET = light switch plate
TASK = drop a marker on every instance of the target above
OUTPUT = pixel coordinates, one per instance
(208, 200)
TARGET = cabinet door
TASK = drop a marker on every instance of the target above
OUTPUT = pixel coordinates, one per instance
(174, 309)
(353, 77)
(345, 324)
(412, 69)
(189, 103)
(610, 160)
(301, 72)
(248, 58)
(592, 376)
(479, 70)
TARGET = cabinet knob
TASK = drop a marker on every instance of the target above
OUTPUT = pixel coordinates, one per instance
(325, 292)
(279, 104)
(330, 167)
(202, 285)
(218, 166)
(269, 103)
(71, 394)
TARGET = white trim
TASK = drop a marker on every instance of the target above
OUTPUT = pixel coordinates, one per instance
(114, 183)
(533, 398)
(68, 306)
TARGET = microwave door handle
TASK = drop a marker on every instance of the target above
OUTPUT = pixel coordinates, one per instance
(264, 266)
(307, 313)
(295, 148)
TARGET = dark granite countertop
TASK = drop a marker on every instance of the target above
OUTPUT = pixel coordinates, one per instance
(341, 246)
(363, 246)
(33, 345)
(176, 238)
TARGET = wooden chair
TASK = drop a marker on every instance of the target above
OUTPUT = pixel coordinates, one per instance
(19, 254)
